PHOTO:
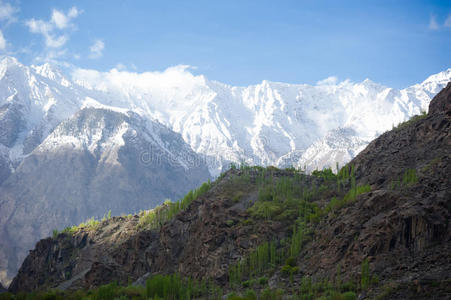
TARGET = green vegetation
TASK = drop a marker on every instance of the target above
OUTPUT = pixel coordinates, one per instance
(336, 204)
(292, 198)
(409, 178)
(155, 218)
(412, 120)
(151, 219)
(157, 287)
(326, 174)
(174, 286)
(287, 197)
(365, 275)
(107, 216)
(90, 224)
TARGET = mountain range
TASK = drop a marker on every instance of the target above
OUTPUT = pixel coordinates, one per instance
(76, 146)
(378, 229)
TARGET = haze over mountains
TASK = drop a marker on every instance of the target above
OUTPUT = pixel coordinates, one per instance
(76, 147)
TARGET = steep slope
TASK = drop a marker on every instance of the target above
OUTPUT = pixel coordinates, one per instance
(402, 226)
(390, 208)
(98, 160)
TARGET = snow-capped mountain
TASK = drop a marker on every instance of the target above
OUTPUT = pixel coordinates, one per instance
(265, 124)
(33, 101)
(269, 123)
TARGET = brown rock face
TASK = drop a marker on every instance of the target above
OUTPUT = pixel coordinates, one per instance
(200, 242)
(402, 226)
(442, 102)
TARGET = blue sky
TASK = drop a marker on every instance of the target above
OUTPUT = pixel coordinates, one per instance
(397, 43)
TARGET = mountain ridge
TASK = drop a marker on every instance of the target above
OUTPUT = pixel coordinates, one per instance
(378, 229)
(258, 124)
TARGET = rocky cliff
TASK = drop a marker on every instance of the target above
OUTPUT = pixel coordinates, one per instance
(388, 208)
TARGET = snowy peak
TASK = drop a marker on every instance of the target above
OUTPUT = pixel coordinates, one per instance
(48, 71)
(7, 62)
(439, 78)
(260, 124)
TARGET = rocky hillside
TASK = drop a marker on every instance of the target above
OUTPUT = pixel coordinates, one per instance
(379, 229)
(98, 160)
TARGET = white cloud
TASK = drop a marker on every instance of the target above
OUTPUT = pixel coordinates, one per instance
(52, 40)
(74, 12)
(2, 41)
(7, 12)
(38, 26)
(448, 21)
(331, 80)
(97, 49)
(56, 41)
(59, 19)
(51, 56)
(62, 20)
(177, 79)
(52, 30)
(120, 67)
(433, 25)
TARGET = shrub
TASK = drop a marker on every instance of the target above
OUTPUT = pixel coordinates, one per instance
(251, 295)
(265, 210)
(269, 294)
(289, 270)
(106, 292)
(155, 218)
(348, 286)
(409, 177)
(365, 275)
(237, 197)
(248, 283)
(263, 280)
(326, 174)
(290, 261)
(349, 296)
(412, 120)
(229, 223)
